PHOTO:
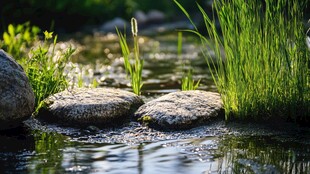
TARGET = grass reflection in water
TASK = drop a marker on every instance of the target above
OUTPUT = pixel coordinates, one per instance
(56, 153)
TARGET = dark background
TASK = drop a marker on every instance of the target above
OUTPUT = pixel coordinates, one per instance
(71, 15)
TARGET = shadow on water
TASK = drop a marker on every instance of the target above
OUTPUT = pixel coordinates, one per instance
(16, 147)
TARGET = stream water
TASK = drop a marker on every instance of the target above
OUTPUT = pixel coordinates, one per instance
(133, 148)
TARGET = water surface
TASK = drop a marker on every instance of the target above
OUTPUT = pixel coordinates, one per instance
(133, 148)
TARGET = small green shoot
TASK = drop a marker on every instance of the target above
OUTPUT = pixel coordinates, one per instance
(95, 83)
(188, 83)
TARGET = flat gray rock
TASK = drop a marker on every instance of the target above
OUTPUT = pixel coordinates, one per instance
(91, 106)
(181, 110)
(16, 95)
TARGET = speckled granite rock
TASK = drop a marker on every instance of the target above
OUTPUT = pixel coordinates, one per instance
(181, 110)
(16, 95)
(85, 107)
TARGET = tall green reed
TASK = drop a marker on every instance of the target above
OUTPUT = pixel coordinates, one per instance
(262, 61)
(135, 69)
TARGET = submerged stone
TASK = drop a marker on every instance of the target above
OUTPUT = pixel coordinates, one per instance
(181, 110)
(91, 106)
(16, 95)
(116, 22)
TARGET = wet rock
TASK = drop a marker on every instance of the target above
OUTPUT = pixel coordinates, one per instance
(91, 107)
(152, 17)
(116, 22)
(16, 95)
(141, 17)
(181, 110)
(155, 16)
(166, 27)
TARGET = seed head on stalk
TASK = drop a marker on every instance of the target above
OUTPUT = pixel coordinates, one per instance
(134, 27)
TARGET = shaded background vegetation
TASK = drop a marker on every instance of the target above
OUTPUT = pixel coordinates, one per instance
(71, 15)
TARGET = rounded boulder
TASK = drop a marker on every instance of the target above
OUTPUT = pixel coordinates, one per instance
(181, 110)
(17, 99)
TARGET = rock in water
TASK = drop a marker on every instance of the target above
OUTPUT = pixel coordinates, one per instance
(116, 22)
(16, 96)
(85, 106)
(181, 110)
(155, 16)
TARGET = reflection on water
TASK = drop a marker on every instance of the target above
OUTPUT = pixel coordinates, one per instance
(56, 153)
(48, 153)
(264, 154)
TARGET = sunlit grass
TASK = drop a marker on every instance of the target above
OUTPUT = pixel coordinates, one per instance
(18, 39)
(45, 69)
(264, 69)
(43, 64)
(135, 69)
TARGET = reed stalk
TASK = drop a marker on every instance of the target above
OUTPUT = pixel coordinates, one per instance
(135, 69)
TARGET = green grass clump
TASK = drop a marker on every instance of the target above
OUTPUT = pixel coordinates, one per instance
(45, 69)
(43, 64)
(134, 70)
(263, 71)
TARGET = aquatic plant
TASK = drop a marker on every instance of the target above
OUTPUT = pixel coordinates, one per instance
(135, 69)
(262, 62)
